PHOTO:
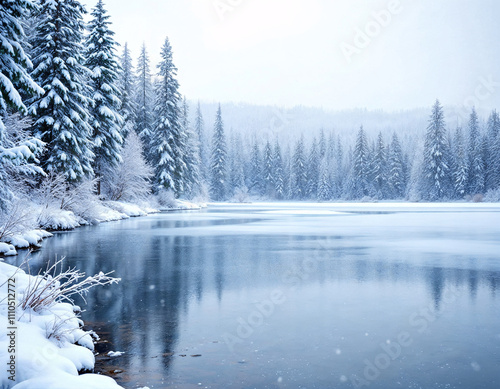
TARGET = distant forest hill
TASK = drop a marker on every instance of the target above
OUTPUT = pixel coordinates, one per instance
(288, 124)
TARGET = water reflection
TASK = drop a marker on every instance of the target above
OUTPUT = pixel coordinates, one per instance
(180, 294)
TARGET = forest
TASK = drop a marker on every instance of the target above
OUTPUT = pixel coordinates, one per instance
(78, 115)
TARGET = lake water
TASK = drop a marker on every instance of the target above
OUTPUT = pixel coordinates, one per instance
(296, 296)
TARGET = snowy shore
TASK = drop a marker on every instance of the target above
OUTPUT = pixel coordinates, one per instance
(47, 347)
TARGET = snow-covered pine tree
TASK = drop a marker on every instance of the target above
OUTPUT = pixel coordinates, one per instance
(475, 183)
(324, 186)
(106, 121)
(236, 165)
(14, 80)
(396, 179)
(322, 145)
(278, 172)
(267, 171)
(337, 157)
(255, 180)
(218, 163)
(435, 169)
(144, 98)
(127, 83)
(493, 163)
(299, 171)
(167, 144)
(360, 167)
(199, 126)
(460, 164)
(191, 155)
(379, 168)
(61, 114)
(313, 171)
(494, 176)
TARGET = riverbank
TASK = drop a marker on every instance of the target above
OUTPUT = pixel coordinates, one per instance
(47, 347)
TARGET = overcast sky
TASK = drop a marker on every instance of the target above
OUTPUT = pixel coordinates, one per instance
(311, 52)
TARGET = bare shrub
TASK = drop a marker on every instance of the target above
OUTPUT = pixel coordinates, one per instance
(57, 285)
(18, 219)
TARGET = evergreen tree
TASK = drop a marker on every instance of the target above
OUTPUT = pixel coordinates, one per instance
(396, 179)
(144, 98)
(255, 184)
(324, 187)
(475, 182)
(379, 168)
(167, 138)
(493, 162)
(199, 126)
(460, 164)
(435, 169)
(236, 165)
(14, 81)
(322, 146)
(191, 155)
(61, 114)
(361, 167)
(126, 84)
(313, 172)
(278, 173)
(299, 171)
(106, 121)
(338, 174)
(218, 163)
(267, 171)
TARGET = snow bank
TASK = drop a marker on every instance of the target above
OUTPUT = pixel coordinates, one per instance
(130, 210)
(51, 348)
(25, 240)
(181, 205)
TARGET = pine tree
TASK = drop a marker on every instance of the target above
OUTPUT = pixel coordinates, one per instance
(167, 138)
(144, 98)
(337, 157)
(324, 187)
(475, 182)
(255, 184)
(14, 81)
(218, 163)
(460, 164)
(435, 169)
(191, 155)
(61, 114)
(361, 166)
(322, 146)
(236, 165)
(313, 172)
(199, 126)
(126, 85)
(278, 172)
(379, 168)
(106, 121)
(267, 171)
(396, 179)
(493, 162)
(299, 171)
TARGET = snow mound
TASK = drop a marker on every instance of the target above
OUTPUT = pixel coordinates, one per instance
(115, 353)
(58, 219)
(7, 249)
(49, 351)
(28, 239)
(128, 209)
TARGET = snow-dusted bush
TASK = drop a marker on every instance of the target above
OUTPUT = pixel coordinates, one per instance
(240, 195)
(477, 198)
(166, 199)
(17, 219)
(130, 179)
(493, 195)
(203, 195)
(57, 285)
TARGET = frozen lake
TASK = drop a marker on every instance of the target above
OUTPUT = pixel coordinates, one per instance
(298, 295)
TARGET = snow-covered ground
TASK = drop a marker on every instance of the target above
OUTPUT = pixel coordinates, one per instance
(47, 345)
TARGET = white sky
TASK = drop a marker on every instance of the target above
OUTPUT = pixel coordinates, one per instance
(288, 52)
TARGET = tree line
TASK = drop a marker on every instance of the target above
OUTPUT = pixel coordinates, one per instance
(74, 108)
